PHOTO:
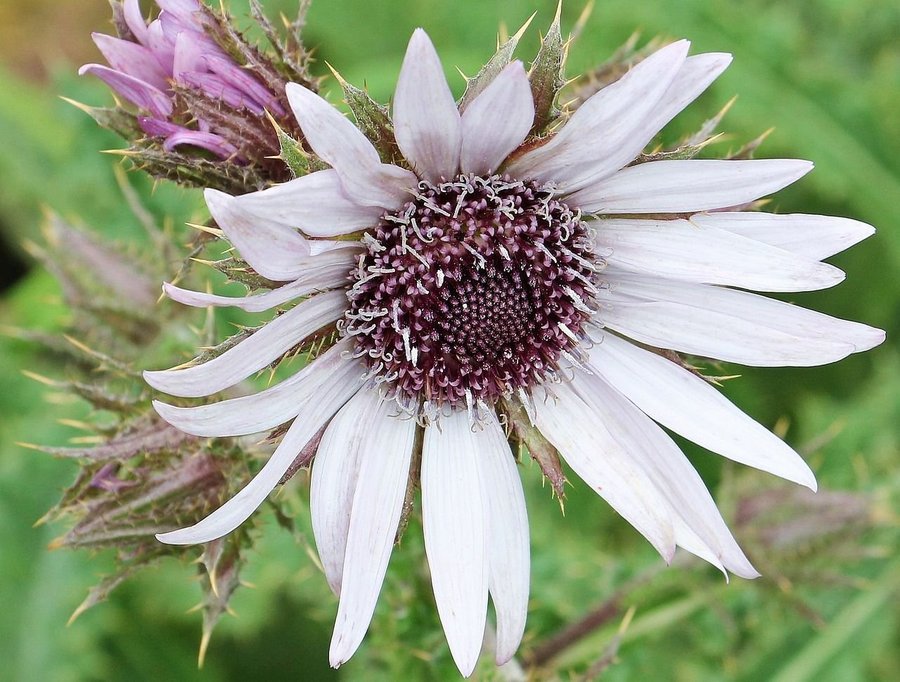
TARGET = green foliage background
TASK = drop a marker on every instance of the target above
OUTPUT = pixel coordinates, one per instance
(825, 73)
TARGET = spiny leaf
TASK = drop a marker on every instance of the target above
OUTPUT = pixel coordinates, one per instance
(291, 151)
(117, 119)
(546, 76)
(372, 119)
(496, 64)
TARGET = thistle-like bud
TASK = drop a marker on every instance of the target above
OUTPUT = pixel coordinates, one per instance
(199, 94)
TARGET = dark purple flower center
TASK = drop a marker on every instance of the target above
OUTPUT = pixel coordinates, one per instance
(474, 289)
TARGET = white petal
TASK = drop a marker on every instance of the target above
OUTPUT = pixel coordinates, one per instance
(315, 203)
(426, 121)
(259, 349)
(508, 542)
(381, 486)
(267, 409)
(690, 406)
(586, 444)
(327, 271)
(497, 121)
(341, 145)
(687, 186)
(335, 472)
(274, 250)
(726, 324)
(455, 526)
(691, 252)
(606, 132)
(699, 526)
(810, 236)
(695, 76)
(234, 512)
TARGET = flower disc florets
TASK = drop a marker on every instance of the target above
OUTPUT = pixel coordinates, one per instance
(473, 289)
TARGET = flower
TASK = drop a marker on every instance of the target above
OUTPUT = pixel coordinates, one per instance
(494, 277)
(151, 64)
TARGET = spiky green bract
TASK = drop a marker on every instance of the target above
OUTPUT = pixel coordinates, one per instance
(138, 475)
(546, 77)
(492, 67)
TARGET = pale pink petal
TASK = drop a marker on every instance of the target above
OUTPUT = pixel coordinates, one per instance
(267, 409)
(257, 351)
(314, 203)
(131, 58)
(275, 251)
(691, 252)
(809, 236)
(607, 131)
(690, 406)
(138, 92)
(188, 56)
(497, 121)
(508, 542)
(586, 444)
(455, 524)
(426, 121)
(326, 271)
(699, 526)
(135, 21)
(730, 325)
(341, 145)
(233, 513)
(385, 455)
(688, 186)
(182, 9)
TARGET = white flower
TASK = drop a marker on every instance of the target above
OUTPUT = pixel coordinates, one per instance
(485, 274)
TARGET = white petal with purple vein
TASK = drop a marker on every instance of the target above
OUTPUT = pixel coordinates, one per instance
(688, 186)
(699, 526)
(426, 121)
(326, 271)
(730, 325)
(314, 203)
(508, 541)
(275, 251)
(497, 121)
(267, 409)
(341, 145)
(233, 513)
(696, 74)
(690, 406)
(456, 527)
(686, 251)
(375, 515)
(606, 132)
(258, 350)
(335, 471)
(574, 428)
(810, 236)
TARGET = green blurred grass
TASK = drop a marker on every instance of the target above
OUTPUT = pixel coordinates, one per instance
(824, 73)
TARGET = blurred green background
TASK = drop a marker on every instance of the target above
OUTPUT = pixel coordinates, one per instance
(824, 73)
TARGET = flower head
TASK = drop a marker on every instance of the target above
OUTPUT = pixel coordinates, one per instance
(500, 275)
(195, 81)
